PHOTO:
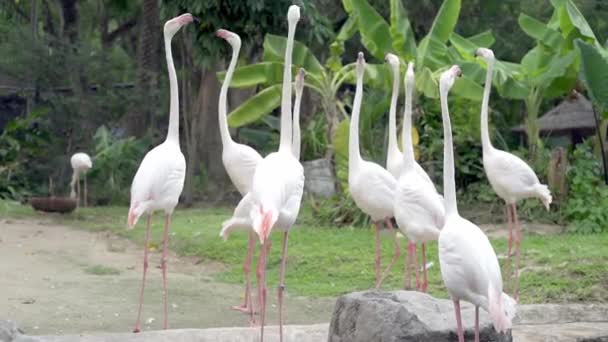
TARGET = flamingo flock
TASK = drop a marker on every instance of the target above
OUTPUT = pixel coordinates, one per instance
(272, 187)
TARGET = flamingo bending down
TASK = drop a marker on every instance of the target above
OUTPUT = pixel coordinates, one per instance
(469, 266)
(159, 180)
(511, 178)
(371, 186)
(81, 163)
(239, 160)
(418, 207)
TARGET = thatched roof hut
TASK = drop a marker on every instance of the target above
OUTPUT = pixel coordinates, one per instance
(568, 123)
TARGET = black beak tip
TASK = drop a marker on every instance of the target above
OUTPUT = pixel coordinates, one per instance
(196, 20)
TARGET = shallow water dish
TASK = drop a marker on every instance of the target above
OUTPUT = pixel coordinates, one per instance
(53, 204)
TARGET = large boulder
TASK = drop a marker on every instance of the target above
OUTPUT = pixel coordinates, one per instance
(373, 316)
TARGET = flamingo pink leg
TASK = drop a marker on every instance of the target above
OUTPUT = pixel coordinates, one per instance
(163, 266)
(396, 256)
(425, 283)
(247, 306)
(458, 320)
(378, 253)
(509, 251)
(85, 189)
(406, 283)
(477, 324)
(143, 280)
(282, 284)
(416, 267)
(261, 275)
(517, 251)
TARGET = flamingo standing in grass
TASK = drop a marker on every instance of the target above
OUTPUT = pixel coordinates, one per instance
(469, 266)
(159, 180)
(511, 178)
(81, 163)
(239, 160)
(418, 207)
(371, 186)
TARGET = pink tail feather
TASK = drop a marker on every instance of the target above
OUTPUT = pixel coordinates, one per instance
(501, 308)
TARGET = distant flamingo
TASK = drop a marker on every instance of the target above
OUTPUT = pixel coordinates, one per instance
(371, 186)
(469, 266)
(159, 180)
(418, 207)
(239, 160)
(81, 163)
(511, 178)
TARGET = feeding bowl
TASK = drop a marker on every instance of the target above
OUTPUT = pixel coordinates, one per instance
(53, 204)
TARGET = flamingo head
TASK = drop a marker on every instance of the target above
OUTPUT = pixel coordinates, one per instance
(449, 76)
(173, 25)
(360, 64)
(487, 54)
(264, 218)
(293, 14)
(232, 38)
(409, 75)
(300, 80)
(392, 60)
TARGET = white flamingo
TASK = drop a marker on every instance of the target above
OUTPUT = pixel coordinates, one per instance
(159, 180)
(278, 185)
(511, 178)
(469, 266)
(81, 163)
(239, 160)
(371, 186)
(418, 207)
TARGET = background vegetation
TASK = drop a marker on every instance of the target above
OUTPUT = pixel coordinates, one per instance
(89, 76)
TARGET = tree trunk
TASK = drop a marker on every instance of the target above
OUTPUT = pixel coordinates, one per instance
(148, 61)
(331, 117)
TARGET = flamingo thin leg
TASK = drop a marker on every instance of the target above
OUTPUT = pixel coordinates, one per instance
(282, 284)
(425, 283)
(163, 266)
(143, 280)
(247, 306)
(477, 324)
(517, 252)
(406, 282)
(85, 190)
(261, 273)
(396, 256)
(458, 320)
(416, 267)
(78, 193)
(509, 251)
(378, 259)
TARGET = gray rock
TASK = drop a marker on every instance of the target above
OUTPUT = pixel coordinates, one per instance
(10, 332)
(373, 316)
(318, 178)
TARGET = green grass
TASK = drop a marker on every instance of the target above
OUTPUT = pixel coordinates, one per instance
(101, 270)
(328, 261)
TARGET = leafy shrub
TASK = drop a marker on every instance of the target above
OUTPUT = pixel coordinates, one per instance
(586, 207)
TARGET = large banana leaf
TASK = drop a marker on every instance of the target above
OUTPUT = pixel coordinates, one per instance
(254, 74)
(557, 67)
(540, 31)
(466, 47)
(377, 76)
(256, 106)
(594, 73)
(483, 39)
(440, 32)
(404, 42)
(274, 51)
(374, 30)
(432, 53)
(336, 49)
(578, 20)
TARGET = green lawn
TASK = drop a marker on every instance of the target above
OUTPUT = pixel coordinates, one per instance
(326, 261)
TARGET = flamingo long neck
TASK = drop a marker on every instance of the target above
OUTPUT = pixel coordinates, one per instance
(408, 146)
(222, 111)
(173, 132)
(286, 125)
(449, 186)
(354, 155)
(485, 131)
(296, 125)
(392, 121)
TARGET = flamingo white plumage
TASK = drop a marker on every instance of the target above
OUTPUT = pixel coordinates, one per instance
(159, 180)
(81, 163)
(418, 208)
(394, 157)
(278, 185)
(511, 178)
(239, 160)
(371, 186)
(469, 266)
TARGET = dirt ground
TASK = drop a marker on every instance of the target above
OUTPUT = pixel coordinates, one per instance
(57, 280)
